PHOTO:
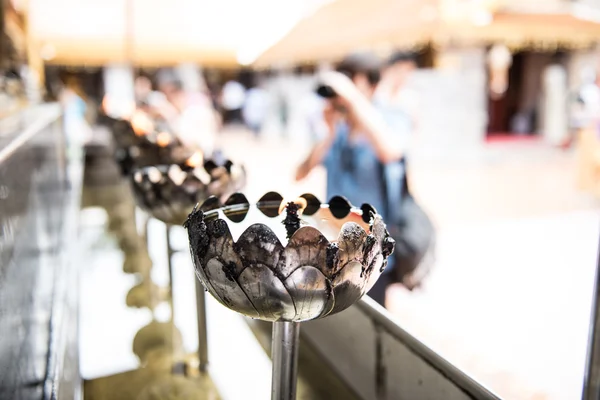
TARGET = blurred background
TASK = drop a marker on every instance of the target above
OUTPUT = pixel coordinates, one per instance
(504, 150)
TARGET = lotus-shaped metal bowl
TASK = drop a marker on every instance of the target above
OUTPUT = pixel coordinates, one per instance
(158, 146)
(170, 192)
(162, 149)
(334, 256)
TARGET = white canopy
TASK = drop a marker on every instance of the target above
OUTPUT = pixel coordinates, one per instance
(347, 25)
(160, 32)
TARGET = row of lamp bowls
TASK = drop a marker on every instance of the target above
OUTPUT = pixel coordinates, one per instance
(273, 260)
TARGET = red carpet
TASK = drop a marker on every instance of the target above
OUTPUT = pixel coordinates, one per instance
(512, 138)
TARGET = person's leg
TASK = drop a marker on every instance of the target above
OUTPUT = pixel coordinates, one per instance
(377, 292)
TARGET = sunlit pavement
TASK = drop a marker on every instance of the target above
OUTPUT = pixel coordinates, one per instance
(510, 297)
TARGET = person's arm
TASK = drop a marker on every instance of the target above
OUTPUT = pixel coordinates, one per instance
(367, 117)
(316, 157)
(320, 150)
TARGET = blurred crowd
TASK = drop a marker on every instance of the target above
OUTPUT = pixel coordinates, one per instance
(266, 102)
(358, 114)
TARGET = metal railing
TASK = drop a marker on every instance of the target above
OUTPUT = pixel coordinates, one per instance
(458, 377)
(380, 360)
(39, 193)
(591, 380)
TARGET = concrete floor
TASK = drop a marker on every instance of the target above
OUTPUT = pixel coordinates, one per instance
(510, 296)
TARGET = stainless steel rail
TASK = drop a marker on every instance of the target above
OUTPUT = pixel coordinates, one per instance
(39, 203)
(591, 382)
(379, 360)
(466, 383)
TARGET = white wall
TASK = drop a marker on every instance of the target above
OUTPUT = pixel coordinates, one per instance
(118, 86)
(453, 103)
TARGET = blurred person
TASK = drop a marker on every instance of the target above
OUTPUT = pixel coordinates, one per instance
(394, 90)
(314, 106)
(193, 121)
(75, 108)
(256, 107)
(361, 136)
(154, 103)
(233, 96)
(407, 222)
(585, 105)
(145, 95)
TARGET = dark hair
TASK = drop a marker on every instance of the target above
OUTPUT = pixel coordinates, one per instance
(401, 56)
(169, 77)
(362, 63)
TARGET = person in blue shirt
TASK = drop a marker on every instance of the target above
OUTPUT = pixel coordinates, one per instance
(361, 136)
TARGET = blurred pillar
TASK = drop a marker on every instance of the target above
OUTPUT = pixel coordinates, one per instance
(554, 107)
(2, 24)
(34, 73)
(456, 93)
(118, 89)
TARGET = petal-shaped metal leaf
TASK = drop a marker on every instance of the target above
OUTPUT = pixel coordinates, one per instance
(259, 245)
(371, 248)
(268, 294)
(307, 246)
(201, 275)
(378, 229)
(351, 243)
(311, 292)
(221, 246)
(228, 290)
(197, 235)
(373, 272)
(348, 286)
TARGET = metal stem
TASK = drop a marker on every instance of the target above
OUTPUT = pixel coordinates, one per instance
(202, 332)
(170, 253)
(591, 384)
(284, 353)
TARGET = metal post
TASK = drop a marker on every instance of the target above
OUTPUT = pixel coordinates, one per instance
(145, 222)
(3, 45)
(591, 384)
(284, 353)
(202, 333)
(170, 253)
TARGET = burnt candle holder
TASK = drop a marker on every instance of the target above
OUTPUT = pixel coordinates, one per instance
(287, 262)
(170, 192)
(142, 142)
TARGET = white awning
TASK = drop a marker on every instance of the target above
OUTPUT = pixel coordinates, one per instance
(160, 32)
(349, 25)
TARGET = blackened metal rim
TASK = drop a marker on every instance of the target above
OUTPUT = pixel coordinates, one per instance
(461, 379)
(164, 167)
(244, 207)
